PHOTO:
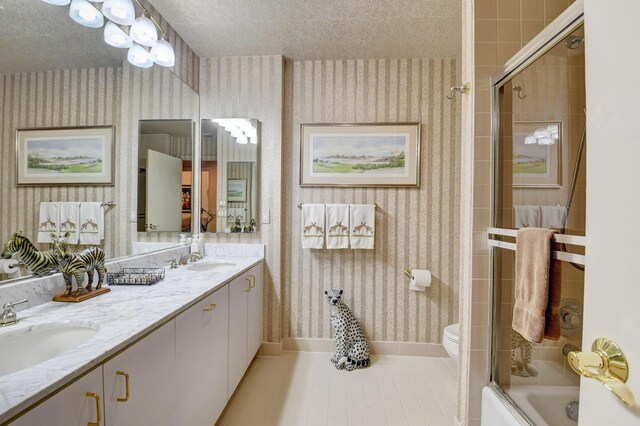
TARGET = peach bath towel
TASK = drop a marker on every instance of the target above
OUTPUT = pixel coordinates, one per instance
(537, 288)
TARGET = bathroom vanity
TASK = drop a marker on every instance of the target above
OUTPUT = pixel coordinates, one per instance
(171, 353)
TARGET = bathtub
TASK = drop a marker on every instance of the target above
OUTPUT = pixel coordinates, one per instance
(544, 405)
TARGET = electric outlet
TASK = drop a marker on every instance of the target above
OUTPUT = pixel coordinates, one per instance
(266, 216)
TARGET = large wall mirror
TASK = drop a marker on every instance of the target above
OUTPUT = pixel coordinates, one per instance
(229, 187)
(165, 175)
(59, 75)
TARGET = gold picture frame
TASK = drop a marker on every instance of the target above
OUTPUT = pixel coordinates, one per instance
(360, 155)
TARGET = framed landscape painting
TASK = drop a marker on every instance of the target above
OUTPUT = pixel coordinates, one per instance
(65, 156)
(360, 155)
(537, 151)
(237, 190)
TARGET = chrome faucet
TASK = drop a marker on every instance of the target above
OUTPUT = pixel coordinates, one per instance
(174, 263)
(192, 257)
(9, 317)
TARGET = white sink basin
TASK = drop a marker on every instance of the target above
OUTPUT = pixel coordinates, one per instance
(25, 347)
(209, 266)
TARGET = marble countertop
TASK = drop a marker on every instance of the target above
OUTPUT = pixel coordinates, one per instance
(122, 316)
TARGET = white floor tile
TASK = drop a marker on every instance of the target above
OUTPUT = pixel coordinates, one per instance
(304, 388)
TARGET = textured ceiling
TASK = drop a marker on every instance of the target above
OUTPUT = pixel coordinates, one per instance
(318, 29)
(37, 36)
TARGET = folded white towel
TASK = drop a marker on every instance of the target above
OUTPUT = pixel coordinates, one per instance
(91, 223)
(337, 226)
(526, 217)
(363, 226)
(69, 221)
(48, 222)
(553, 217)
(313, 226)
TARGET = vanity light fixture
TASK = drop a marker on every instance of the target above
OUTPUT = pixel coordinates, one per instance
(84, 13)
(143, 31)
(162, 53)
(116, 36)
(139, 56)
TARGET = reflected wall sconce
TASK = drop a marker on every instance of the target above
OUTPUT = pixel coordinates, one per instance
(141, 38)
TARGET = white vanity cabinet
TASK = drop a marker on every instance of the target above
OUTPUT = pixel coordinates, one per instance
(79, 404)
(149, 367)
(255, 313)
(245, 322)
(202, 350)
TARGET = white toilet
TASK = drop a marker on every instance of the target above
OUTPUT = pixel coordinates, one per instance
(450, 340)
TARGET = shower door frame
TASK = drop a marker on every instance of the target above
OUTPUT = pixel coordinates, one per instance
(571, 19)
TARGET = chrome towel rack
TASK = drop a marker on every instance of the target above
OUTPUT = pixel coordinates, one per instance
(572, 240)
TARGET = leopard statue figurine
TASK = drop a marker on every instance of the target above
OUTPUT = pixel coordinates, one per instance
(352, 350)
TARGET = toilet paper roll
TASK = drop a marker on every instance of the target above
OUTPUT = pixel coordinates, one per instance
(9, 266)
(420, 279)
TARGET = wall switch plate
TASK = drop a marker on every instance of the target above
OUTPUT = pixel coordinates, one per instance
(265, 216)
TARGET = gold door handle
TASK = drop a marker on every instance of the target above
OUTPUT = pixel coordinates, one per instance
(98, 410)
(248, 289)
(253, 283)
(210, 308)
(607, 364)
(126, 386)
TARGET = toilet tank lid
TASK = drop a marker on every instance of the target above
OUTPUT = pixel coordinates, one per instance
(452, 332)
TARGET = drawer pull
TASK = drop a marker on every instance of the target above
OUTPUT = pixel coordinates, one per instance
(98, 410)
(253, 279)
(126, 386)
(248, 289)
(210, 308)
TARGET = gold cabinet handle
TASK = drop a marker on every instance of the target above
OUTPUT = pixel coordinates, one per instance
(98, 409)
(248, 289)
(253, 279)
(126, 386)
(209, 308)
(607, 364)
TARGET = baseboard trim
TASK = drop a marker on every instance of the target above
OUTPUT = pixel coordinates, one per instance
(295, 344)
(270, 349)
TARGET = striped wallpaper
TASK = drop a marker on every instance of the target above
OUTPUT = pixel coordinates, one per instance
(79, 97)
(416, 228)
(252, 87)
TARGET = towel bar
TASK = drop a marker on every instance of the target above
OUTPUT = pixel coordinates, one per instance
(374, 204)
(564, 256)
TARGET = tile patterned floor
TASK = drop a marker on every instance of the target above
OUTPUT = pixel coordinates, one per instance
(303, 388)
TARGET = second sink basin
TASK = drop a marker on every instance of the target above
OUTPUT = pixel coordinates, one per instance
(209, 266)
(26, 347)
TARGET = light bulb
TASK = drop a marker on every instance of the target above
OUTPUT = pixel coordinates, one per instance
(116, 36)
(546, 141)
(143, 31)
(540, 132)
(84, 13)
(119, 11)
(58, 2)
(162, 53)
(139, 56)
(530, 140)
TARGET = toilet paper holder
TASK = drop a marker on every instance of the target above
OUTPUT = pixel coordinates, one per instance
(408, 274)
